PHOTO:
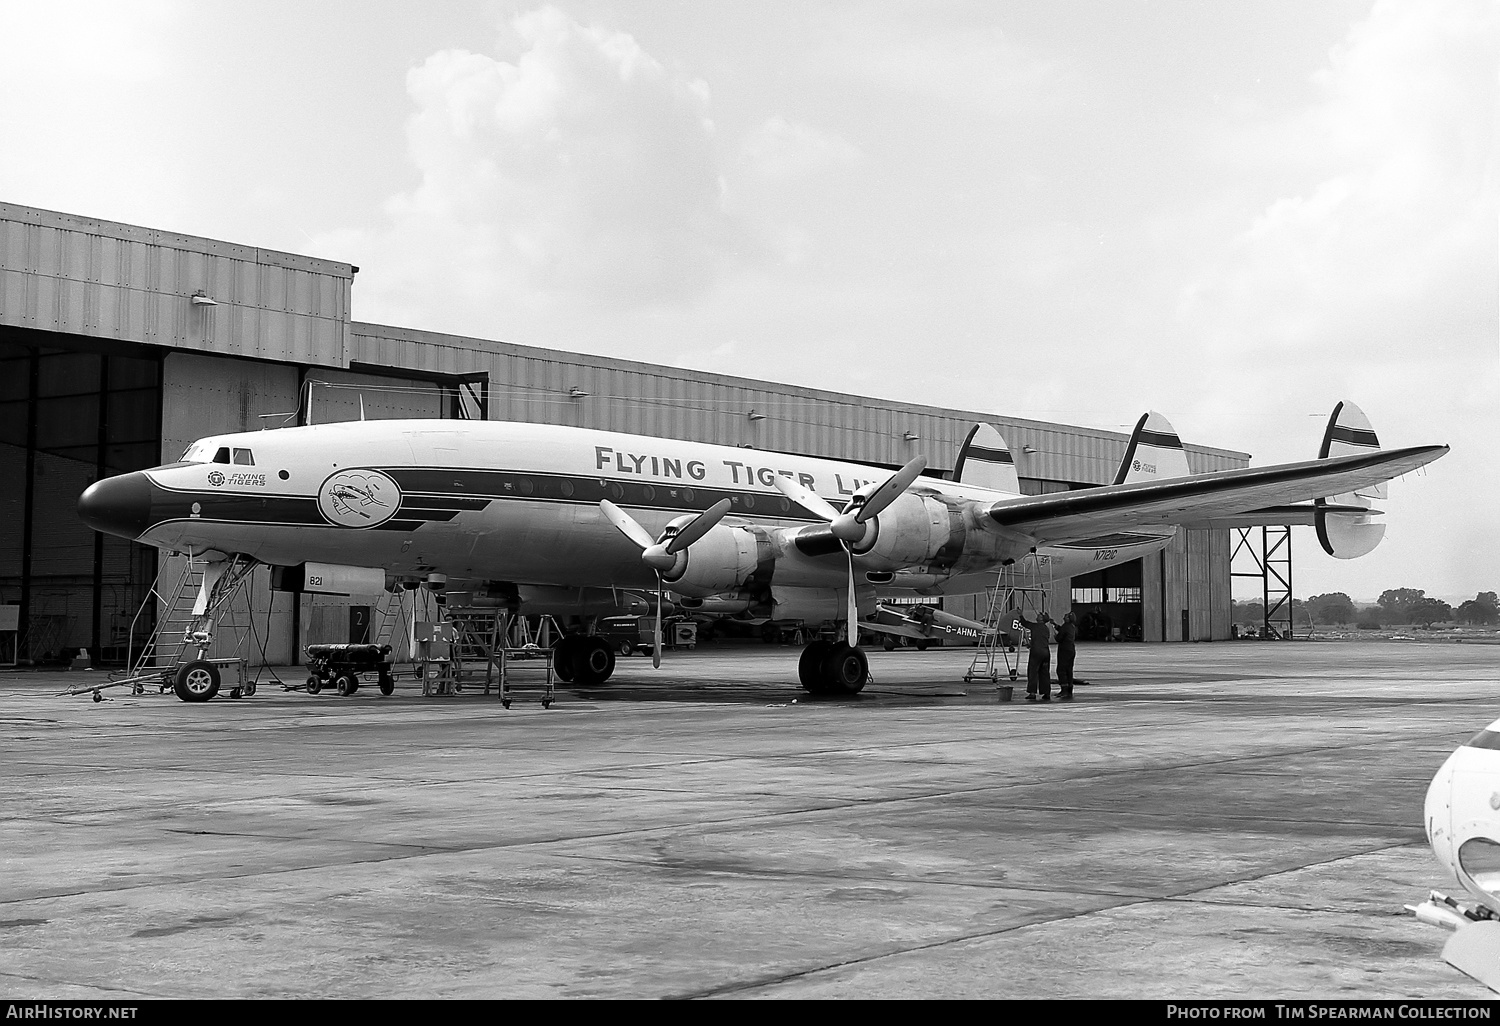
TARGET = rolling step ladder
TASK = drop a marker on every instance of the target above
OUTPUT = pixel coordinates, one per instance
(485, 647)
(1023, 587)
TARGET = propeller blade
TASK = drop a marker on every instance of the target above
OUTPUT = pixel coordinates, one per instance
(806, 498)
(888, 492)
(656, 638)
(850, 525)
(626, 524)
(698, 527)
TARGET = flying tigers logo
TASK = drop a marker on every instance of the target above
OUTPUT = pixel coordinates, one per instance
(359, 498)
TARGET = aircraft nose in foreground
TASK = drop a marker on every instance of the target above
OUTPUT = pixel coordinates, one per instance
(118, 505)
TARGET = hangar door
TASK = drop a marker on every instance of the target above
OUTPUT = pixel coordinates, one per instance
(68, 418)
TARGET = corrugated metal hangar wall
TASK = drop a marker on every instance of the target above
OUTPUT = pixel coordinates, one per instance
(121, 344)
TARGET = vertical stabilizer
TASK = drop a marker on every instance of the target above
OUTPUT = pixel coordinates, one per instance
(984, 460)
(1347, 535)
(1154, 453)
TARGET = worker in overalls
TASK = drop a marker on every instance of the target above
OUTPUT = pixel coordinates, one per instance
(1039, 663)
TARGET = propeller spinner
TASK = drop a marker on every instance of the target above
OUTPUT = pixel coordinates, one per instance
(850, 525)
(663, 554)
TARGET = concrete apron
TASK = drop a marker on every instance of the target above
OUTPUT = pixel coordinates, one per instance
(1203, 821)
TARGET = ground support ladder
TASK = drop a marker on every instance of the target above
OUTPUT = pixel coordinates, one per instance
(495, 640)
(524, 646)
(1023, 586)
(181, 635)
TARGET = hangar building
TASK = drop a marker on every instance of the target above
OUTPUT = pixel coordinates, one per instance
(119, 345)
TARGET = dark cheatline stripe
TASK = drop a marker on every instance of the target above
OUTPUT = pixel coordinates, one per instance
(979, 452)
(1354, 436)
(213, 505)
(455, 503)
(1160, 440)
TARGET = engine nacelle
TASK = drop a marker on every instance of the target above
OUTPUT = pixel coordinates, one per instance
(722, 560)
(911, 530)
(1463, 821)
(816, 605)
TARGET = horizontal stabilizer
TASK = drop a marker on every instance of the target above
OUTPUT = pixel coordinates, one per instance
(1154, 453)
(984, 460)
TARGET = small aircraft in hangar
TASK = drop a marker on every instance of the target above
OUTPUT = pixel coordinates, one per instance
(542, 519)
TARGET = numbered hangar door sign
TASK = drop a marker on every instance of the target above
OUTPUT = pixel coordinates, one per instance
(359, 498)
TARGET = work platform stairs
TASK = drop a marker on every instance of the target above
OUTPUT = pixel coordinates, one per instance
(484, 648)
(1023, 587)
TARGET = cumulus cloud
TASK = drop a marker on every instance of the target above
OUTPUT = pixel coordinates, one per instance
(1371, 275)
(1396, 201)
(582, 171)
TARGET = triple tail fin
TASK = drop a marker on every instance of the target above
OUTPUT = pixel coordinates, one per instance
(1346, 534)
(984, 460)
(1154, 454)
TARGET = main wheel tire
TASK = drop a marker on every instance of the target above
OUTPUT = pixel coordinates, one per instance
(197, 681)
(810, 666)
(563, 656)
(922, 646)
(889, 644)
(845, 670)
(593, 662)
(314, 684)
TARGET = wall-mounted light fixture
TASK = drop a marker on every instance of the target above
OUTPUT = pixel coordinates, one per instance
(745, 445)
(576, 393)
(1027, 449)
(912, 436)
(757, 416)
(200, 298)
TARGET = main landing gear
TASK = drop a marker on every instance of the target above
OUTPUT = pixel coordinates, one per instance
(583, 659)
(833, 668)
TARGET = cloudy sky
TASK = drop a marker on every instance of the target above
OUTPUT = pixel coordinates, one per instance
(1074, 210)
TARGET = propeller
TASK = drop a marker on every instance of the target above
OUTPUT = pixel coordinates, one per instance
(849, 526)
(661, 554)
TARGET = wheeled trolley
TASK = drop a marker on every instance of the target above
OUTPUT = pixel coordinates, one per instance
(339, 667)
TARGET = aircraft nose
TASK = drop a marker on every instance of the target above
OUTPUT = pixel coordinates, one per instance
(118, 505)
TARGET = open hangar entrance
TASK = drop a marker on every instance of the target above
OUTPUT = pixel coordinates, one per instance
(70, 413)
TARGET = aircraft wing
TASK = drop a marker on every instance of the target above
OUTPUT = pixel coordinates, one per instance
(1202, 498)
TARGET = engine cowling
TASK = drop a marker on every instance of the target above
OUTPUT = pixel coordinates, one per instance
(722, 560)
(911, 530)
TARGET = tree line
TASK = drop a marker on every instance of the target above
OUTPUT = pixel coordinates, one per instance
(1395, 606)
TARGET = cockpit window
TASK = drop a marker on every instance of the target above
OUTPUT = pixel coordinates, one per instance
(222, 456)
(244, 457)
(1484, 739)
(1480, 858)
